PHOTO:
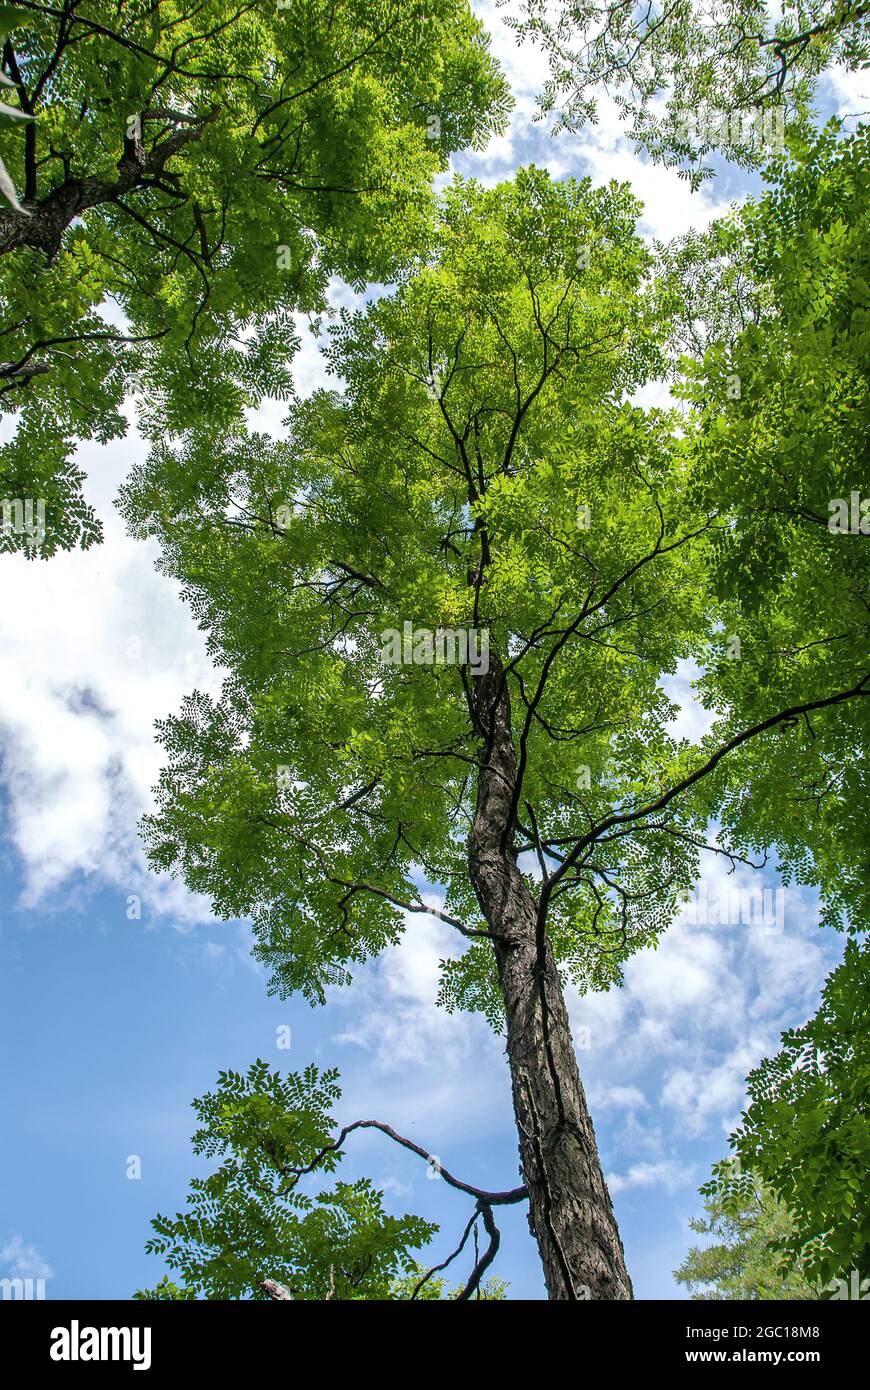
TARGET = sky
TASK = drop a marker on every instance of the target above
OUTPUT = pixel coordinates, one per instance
(121, 997)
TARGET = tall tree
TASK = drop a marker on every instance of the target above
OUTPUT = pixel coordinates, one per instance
(195, 172)
(480, 473)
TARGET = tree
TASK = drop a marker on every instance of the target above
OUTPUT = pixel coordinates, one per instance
(790, 447)
(806, 1131)
(782, 419)
(251, 1231)
(732, 74)
(746, 1260)
(193, 175)
(447, 602)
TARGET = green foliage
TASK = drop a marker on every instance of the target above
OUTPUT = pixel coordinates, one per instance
(794, 591)
(469, 983)
(481, 469)
(457, 505)
(195, 175)
(666, 64)
(250, 1220)
(166, 1292)
(297, 556)
(806, 1133)
(745, 1260)
(435, 1288)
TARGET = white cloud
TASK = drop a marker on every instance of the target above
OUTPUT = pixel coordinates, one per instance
(699, 1012)
(619, 1098)
(600, 150)
(670, 1176)
(688, 971)
(21, 1261)
(97, 647)
(397, 1186)
(525, 65)
(693, 721)
(848, 93)
(309, 364)
(395, 1020)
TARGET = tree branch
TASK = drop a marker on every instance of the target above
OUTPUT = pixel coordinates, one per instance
(507, 1198)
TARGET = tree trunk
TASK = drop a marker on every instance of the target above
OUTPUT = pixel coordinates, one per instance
(570, 1211)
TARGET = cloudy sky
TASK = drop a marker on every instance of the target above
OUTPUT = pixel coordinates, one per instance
(113, 1022)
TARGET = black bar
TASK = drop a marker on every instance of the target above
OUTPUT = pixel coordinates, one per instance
(235, 1338)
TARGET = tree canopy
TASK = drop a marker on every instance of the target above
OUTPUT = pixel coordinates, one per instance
(194, 174)
(482, 472)
(446, 486)
(689, 79)
(464, 502)
(450, 596)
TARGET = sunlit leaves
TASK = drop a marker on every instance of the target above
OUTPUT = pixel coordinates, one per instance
(301, 128)
(384, 495)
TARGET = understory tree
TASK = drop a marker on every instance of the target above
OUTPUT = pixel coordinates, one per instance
(256, 1228)
(806, 1135)
(448, 601)
(190, 173)
(744, 1259)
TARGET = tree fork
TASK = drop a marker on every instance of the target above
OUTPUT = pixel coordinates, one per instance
(570, 1211)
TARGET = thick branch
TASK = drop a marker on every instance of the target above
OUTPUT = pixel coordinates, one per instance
(49, 218)
(630, 817)
(515, 1194)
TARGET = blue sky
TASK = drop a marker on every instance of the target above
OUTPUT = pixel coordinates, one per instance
(113, 1024)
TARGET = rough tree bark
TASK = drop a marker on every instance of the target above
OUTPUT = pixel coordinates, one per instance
(570, 1211)
(43, 223)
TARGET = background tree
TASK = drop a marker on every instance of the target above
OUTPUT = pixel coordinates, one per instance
(196, 172)
(252, 1230)
(789, 449)
(806, 1131)
(745, 1260)
(782, 417)
(480, 471)
(667, 65)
